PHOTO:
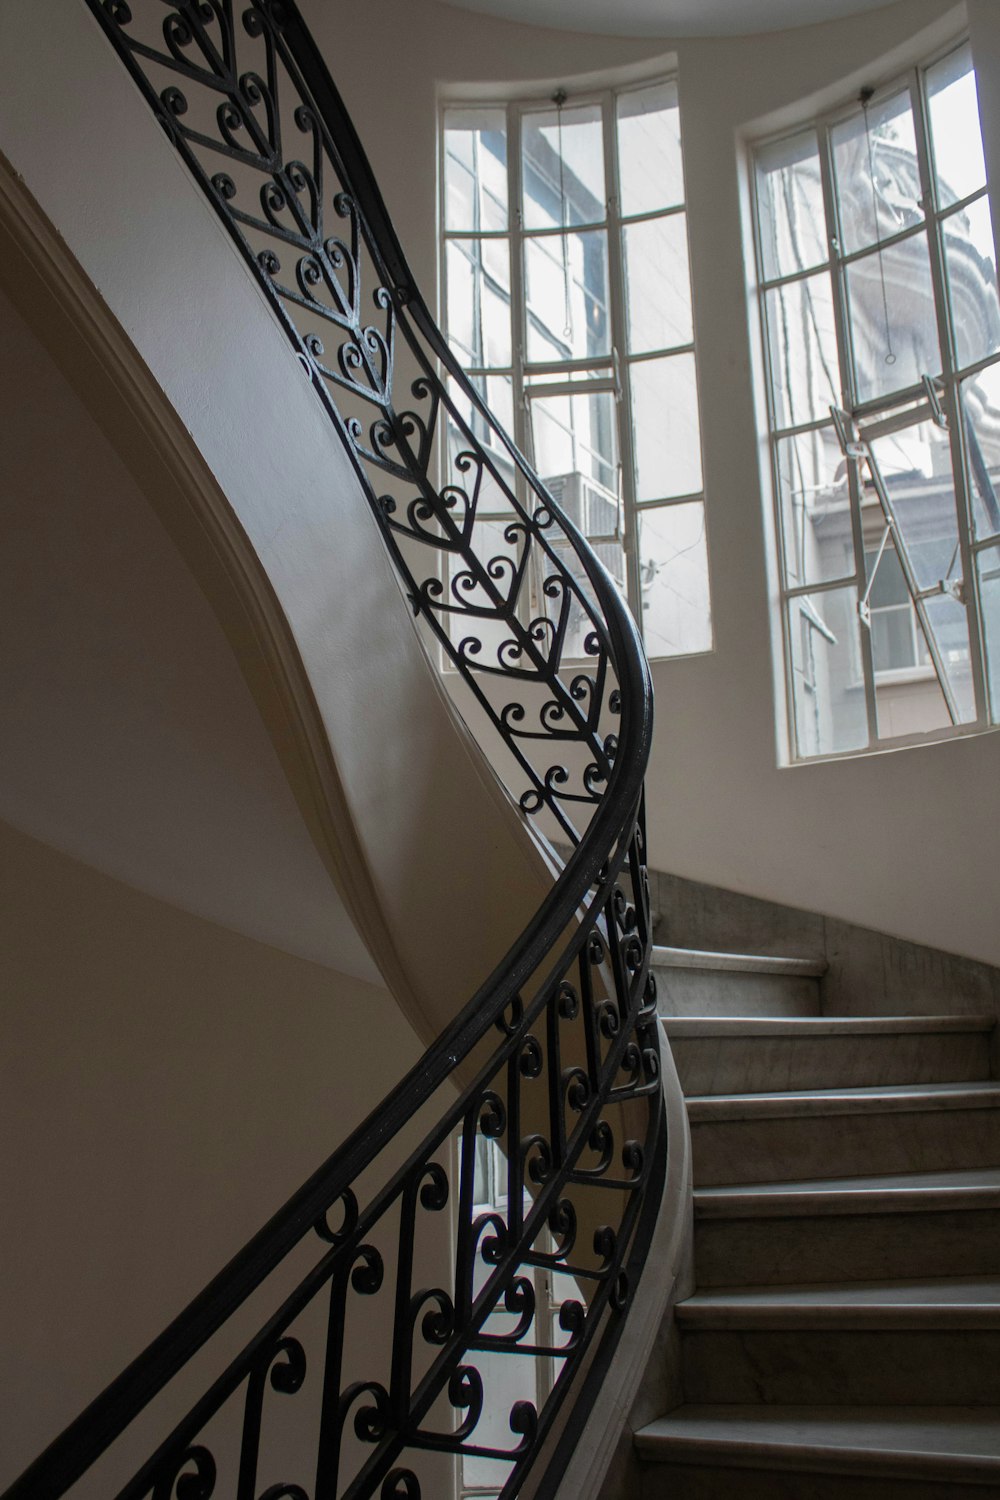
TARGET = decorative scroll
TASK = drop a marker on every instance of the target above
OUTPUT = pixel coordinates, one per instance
(498, 575)
(557, 1058)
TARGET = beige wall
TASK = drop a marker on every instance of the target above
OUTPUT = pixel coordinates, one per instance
(902, 841)
(166, 1085)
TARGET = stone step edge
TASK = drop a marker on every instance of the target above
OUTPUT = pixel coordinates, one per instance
(775, 1201)
(764, 1309)
(741, 963)
(810, 1026)
(661, 1442)
(880, 1099)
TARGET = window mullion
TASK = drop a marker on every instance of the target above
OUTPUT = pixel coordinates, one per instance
(953, 399)
(842, 318)
(619, 342)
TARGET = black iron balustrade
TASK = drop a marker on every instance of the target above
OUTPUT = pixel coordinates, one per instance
(556, 1056)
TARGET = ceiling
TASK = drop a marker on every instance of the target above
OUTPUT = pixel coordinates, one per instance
(671, 18)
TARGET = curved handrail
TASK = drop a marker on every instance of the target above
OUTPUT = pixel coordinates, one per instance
(572, 1001)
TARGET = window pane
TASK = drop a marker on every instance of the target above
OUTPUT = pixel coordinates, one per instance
(566, 283)
(956, 135)
(475, 169)
(876, 171)
(803, 346)
(827, 691)
(578, 436)
(658, 281)
(673, 567)
(562, 153)
(981, 410)
(989, 595)
(479, 301)
(893, 322)
(665, 427)
(815, 513)
(971, 257)
(792, 218)
(497, 391)
(649, 149)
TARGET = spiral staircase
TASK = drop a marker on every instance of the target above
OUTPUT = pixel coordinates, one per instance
(274, 1380)
(278, 1381)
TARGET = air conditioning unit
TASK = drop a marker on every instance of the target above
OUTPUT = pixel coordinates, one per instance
(597, 513)
(591, 508)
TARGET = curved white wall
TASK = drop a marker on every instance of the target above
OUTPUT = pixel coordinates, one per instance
(445, 877)
(904, 842)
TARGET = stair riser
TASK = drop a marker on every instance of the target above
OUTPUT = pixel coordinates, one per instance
(811, 1146)
(742, 1065)
(863, 1247)
(717, 1482)
(694, 992)
(884, 1367)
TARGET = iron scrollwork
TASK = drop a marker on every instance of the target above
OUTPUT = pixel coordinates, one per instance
(557, 1059)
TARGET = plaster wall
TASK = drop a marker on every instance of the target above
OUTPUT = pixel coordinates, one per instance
(405, 789)
(167, 1084)
(905, 841)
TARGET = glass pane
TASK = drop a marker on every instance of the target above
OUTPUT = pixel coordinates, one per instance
(566, 285)
(949, 624)
(893, 322)
(909, 702)
(916, 469)
(475, 169)
(479, 301)
(956, 136)
(971, 257)
(827, 685)
(649, 149)
(673, 580)
(576, 437)
(497, 391)
(989, 603)
(815, 515)
(792, 218)
(805, 373)
(562, 154)
(981, 410)
(665, 427)
(658, 283)
(876, 172)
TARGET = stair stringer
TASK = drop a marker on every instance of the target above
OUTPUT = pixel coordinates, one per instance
(388, 778)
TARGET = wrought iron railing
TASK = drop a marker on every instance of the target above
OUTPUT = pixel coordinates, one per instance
(551, 1068)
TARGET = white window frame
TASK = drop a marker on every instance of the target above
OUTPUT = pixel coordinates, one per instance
(952, 376)
(616, 367)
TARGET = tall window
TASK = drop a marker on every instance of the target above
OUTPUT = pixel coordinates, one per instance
(568, 301)
(878, 269)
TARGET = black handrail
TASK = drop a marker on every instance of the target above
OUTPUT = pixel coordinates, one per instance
(572, 1001)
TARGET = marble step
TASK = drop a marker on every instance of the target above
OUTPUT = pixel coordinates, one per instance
(815, 1133)
(751, 1452)
(913, 1343)
(723, 1055)
(858, 1228)
(694, 983)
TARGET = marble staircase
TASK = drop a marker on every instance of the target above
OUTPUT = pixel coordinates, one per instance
(843, 1340)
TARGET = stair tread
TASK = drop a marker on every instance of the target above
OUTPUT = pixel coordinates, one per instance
(898, 1192)
(742, 963)
(801, 1026)
(873, 1099)
(932, 1439)
(946, 1302)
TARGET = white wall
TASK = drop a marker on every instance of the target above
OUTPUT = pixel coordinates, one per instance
(903, 841)
(437, 875)
(166, 1086)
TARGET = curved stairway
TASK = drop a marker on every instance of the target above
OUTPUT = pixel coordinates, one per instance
(844, 1335)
